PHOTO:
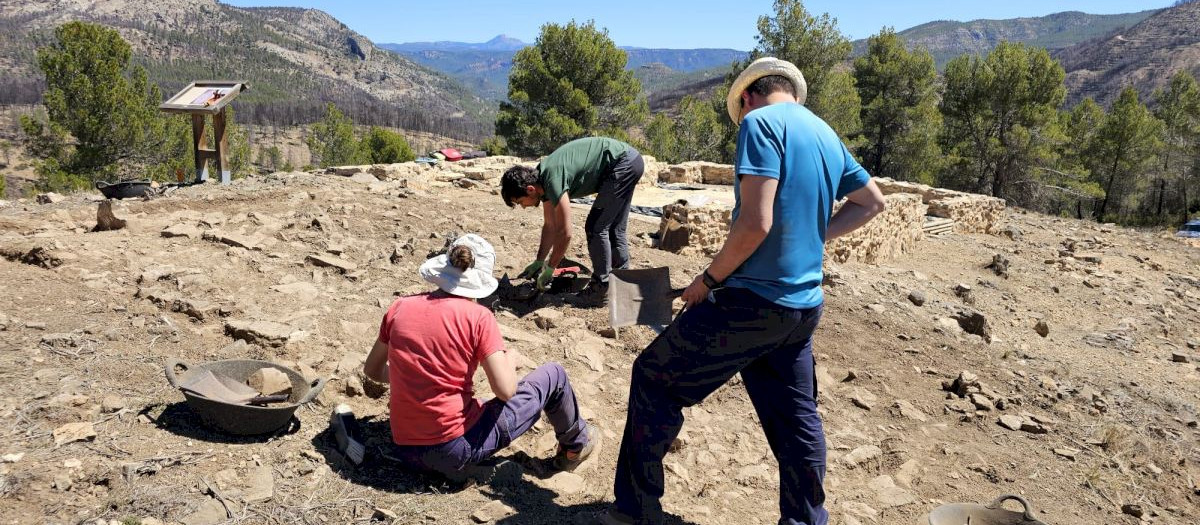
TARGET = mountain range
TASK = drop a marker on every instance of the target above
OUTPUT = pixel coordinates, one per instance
(295, 60)
(484, 67)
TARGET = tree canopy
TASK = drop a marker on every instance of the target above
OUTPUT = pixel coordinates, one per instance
(102, 117)
(900, 119)
(570, 83)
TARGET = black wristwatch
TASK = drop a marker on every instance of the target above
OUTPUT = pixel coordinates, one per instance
(711, 283)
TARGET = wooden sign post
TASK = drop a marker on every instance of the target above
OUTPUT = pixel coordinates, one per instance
(201, 98)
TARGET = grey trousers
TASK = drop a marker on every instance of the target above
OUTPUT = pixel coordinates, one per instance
(605, 226)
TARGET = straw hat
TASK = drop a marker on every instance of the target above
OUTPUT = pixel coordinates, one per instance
(762, 67)
(476, 282)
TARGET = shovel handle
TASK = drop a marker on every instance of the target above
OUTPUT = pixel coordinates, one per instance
(1024, 504)
(169, 370)
(675, 293)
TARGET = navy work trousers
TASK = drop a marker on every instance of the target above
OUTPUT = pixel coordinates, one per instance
(546, 389)
(734, 331)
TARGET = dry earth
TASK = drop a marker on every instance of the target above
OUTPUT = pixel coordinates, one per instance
(1105, 416)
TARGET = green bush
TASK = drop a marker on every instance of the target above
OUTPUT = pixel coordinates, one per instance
(382, 146)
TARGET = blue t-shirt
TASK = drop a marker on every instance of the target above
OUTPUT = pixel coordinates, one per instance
(788, 142)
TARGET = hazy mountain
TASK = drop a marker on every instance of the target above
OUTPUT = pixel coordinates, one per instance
(484, 66)
(948, 39)
(1144, 56)
(500, 43)
(295, 60)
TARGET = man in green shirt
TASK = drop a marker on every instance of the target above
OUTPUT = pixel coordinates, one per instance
(606, 167)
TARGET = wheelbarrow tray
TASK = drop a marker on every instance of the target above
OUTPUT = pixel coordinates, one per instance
(235, 418)
(990, 514)
(124, 190)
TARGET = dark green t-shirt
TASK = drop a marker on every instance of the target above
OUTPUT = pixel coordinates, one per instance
(576, 167)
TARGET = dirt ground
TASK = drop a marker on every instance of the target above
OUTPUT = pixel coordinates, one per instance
(917, 410)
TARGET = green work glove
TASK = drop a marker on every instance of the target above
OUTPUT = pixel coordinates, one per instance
(544, 278)
(532, 270)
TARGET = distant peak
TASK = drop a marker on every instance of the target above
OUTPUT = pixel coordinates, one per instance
(504, 42)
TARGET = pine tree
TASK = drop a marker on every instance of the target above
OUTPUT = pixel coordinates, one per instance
(107, 107)
(1000, 115)
(1125, 145)
(571, 83)
(332, 140)
(898, 89)
(818, 48)
(1178, 107)
(382, 146)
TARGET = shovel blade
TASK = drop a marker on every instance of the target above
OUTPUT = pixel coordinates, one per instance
(641, 296)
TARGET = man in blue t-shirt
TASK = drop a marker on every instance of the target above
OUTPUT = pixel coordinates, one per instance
(755, 308)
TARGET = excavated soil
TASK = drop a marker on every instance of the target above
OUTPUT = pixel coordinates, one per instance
(300, 268)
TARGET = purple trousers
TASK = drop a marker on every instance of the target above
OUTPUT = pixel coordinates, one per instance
(544, 389)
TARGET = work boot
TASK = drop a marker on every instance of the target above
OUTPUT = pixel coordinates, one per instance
(609, 516)
(596, 294)
(569, 461)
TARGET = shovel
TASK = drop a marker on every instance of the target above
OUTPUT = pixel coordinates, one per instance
(641, 296)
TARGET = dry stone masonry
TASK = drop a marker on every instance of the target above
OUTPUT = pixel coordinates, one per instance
(701, 230)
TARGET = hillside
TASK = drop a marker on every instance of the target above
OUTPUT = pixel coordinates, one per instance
(947, 39)
(1092, 348)
(484, 67)
(1144, 56)
(295, 60)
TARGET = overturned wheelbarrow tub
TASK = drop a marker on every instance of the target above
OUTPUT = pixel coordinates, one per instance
(243, 420)
(991, 514)
(124, 190)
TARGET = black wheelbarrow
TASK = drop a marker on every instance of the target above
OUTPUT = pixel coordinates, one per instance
(990, 514)
(124, 190)
(238, 417)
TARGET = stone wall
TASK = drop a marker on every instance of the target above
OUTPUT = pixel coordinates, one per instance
(972, 213)
(701, 230)
(697, 172)
(693, 230)
(890, 234)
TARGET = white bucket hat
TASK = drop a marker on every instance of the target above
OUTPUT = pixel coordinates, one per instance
(476, 282)
(762, 67)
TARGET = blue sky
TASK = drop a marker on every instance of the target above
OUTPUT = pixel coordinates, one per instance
(663, 23)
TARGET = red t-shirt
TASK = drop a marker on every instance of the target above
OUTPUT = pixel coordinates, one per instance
(435, 342)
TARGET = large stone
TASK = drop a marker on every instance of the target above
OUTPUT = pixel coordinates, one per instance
(495, 510)
(259, 332)
(209, 512)
(72, 432)
(973, 322)
(888, 494)
(259, 485)
(862, 455)
(1011, 422)
(704, 227)
(50, 198)
(564, 483)
(329, 261)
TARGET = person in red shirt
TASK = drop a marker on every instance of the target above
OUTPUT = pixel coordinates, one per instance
(428, 349)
